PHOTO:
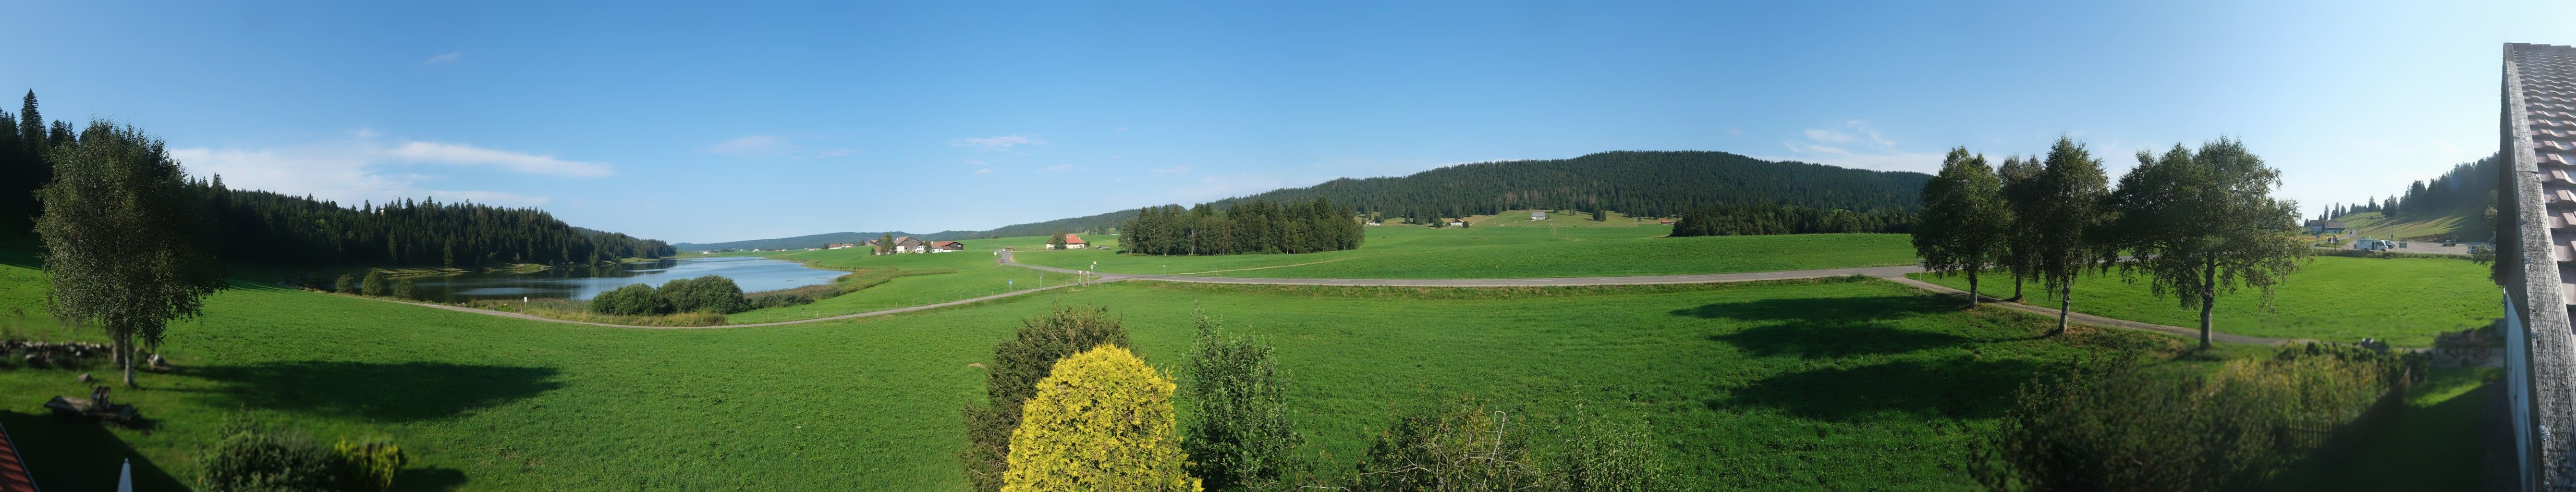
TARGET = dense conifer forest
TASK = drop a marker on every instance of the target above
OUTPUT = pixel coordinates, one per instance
(1636, 183)
(274, 229)
(1255, 226)
(1758, 219)
(280, 230)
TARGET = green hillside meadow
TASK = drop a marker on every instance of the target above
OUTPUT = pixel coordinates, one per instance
(1797, 385)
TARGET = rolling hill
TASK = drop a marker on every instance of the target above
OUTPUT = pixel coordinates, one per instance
(1633, 183)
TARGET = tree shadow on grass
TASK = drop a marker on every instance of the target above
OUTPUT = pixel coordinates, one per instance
(1832, 341)
(1958, 387)
(1830, 310)
(436, 479)
(79, 454)
(402, 392)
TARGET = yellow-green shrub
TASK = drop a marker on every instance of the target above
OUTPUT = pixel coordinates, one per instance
(368, 465)
(1101, 421)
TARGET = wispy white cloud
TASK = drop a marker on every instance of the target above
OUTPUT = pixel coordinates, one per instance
(1170, 170)
(468, 155)
(449, 57)
(773, 145)
(983, 171)
(749, 144)
(1004, 142)
(363, 168)
(1856, 145)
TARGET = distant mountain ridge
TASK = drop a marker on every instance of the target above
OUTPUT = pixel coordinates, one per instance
(1636, 183)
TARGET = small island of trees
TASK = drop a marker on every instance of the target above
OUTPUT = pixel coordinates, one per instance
(1256, 226)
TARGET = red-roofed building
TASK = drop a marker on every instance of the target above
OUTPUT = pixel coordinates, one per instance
(1074, 242)
(13, 469)
(942, 246)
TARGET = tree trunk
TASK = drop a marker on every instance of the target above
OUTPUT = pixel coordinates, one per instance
(125, 356)
(1972, 288)
(2065, 306)
(2208, 297)
(2016, 288)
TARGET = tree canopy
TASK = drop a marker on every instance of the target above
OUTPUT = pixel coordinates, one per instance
(126, 243)
(1249, 227)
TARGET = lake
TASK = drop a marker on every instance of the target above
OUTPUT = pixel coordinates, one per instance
(753, 274)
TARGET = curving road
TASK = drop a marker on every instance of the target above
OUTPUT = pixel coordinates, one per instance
(1893, 273)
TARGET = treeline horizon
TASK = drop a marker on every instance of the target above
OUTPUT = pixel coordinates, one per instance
(277, 229)
(1246, 227)
(1760, 220)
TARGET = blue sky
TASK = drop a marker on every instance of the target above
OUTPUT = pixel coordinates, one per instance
(717, 121)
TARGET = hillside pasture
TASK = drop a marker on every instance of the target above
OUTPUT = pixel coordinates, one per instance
(1794, 385)
(2414, 228)
(1408, 252)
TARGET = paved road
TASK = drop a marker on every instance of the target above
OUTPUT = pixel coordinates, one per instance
(1893, 273)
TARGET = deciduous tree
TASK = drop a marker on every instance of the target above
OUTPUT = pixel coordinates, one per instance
(1964, 219)
(2204, 224)
(2020, 179)
(126, 246)
(2068, 214)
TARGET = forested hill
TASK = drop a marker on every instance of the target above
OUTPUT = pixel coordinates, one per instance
(1636, 183)
(805, 241)
(282, 230)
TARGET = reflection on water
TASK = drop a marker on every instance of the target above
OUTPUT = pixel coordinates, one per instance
(753, 274)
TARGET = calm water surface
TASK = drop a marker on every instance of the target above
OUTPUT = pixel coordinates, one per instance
(753, 274)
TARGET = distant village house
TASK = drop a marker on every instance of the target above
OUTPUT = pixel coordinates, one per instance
(1071, 242)
(843, 245)
(2325, 227)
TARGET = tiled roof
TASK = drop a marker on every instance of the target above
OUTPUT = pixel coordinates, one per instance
(13, 470)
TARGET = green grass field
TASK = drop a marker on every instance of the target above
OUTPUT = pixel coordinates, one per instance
(1520, 252)
(1798, 385)
(1568, 218)
(925, 279)
(2404, 301)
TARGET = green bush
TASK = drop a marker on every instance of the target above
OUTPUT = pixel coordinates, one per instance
(1101, 420)
(2111, 426)
(631, 300)
(405, 289)
(348, 284)
(1463, 446)
(253, 457)
(1242, 435)
(1018, 365)
(368, 466)
(708, 294)
(375, 285)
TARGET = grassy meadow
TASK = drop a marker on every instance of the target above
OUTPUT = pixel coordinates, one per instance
(2404, 301)
(916, 279)
(1793, 385)
(1520, 252)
